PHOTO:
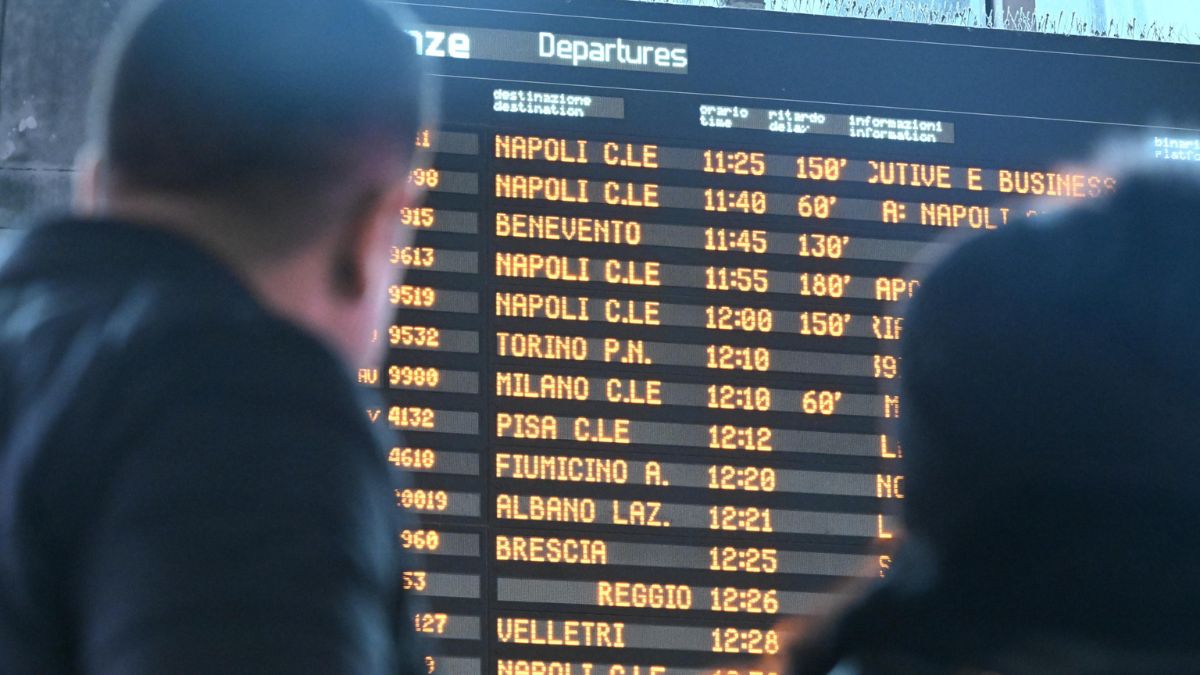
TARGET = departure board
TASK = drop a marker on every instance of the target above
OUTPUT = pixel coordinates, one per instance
(644, 356)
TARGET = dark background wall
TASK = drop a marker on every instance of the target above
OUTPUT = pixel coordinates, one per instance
(47, 48)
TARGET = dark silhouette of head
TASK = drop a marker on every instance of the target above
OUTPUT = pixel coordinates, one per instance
(297, 110)
(279, 134)
(1050, 391)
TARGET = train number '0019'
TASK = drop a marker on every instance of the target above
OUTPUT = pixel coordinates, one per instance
(422, 500)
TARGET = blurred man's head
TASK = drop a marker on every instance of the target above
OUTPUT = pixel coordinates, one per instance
(1051, 391)
(278, 133)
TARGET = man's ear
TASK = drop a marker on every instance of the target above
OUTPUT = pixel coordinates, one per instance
(86, 191)
(362, 260)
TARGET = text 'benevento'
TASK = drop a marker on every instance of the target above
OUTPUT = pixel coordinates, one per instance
(613, 52)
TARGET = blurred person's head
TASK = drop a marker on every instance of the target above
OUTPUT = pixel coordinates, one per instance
(279, 134)
(1050, 397)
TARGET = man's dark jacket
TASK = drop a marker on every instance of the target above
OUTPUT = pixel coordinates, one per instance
(188, 484)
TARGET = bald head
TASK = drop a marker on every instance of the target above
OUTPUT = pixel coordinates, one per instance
(291, 115)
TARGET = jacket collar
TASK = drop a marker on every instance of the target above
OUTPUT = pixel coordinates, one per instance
(108, 249)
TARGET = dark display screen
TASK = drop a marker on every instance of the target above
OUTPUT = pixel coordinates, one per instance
(644, 357)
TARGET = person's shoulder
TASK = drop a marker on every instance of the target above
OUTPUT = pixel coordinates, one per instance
(108, 292)
(99, 317)
(158, 377)
(178, 318)
(118, 320)
(249, 345)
